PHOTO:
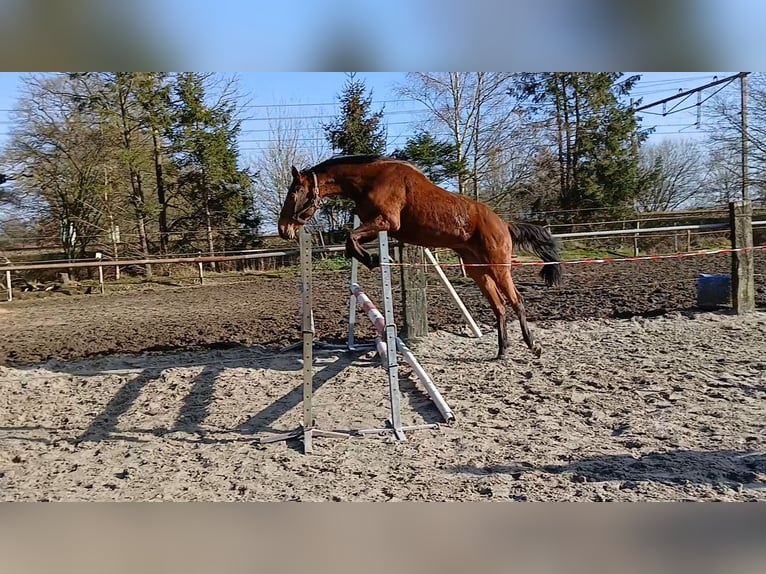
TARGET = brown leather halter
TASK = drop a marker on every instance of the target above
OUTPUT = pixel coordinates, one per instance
(312, 201)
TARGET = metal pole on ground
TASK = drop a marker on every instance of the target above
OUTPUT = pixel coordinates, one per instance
(455, 297)
(431, 389)
(8, 284)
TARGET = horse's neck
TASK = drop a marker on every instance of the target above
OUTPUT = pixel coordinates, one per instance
(339, 184)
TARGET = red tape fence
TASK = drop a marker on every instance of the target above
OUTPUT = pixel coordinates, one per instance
(580, 261)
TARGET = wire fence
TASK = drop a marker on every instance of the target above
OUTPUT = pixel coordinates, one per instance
(128, 239)
(602, 246)
(654, 233)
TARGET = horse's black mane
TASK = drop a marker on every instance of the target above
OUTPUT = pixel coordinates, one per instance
(347, 159)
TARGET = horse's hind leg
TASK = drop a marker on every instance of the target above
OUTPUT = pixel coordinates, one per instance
(483, 278)
(506, 285)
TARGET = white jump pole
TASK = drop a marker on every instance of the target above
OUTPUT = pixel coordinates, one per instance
(431, 389)
(99, 255)
(352, 300)
(379, 322)
(375, 317)
(455, 297)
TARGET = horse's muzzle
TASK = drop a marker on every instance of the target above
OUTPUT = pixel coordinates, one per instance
(287, 229)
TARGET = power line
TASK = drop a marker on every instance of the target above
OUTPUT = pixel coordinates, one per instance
(275, 118)
(728, 79)
(648, 83)
(673, 80)
(411, 112)
(300, 104)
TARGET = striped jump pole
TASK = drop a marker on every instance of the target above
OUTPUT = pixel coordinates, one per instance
(386, 341)
(379, 322)
(387, 344)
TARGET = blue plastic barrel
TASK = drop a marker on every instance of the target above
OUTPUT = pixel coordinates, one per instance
(713, 290)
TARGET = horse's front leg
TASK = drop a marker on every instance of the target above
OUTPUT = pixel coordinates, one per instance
(365, 233)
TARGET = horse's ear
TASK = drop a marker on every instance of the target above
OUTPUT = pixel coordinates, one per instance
(296, 173)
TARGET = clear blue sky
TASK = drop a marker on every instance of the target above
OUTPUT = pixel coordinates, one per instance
(320, 90)
(439, 34)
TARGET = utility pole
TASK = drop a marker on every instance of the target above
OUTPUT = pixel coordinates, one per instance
(743, 95)
(741, 216)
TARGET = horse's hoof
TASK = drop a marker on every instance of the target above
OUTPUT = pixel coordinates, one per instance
(537, 350)
(373, 261)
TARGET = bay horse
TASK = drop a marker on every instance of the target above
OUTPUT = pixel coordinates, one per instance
(394, 196)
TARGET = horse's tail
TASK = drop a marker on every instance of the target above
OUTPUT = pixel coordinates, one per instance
(538, 240)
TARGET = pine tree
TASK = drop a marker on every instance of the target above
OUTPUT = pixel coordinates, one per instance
(596, 137)
(356, 130)
(204, 138)
(437, 159)
(118, 101)
(153, 90)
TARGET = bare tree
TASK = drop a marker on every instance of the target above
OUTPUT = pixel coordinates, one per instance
(118, 102)
(484, 125)
(724, 177)
(54, 156)
(508, 174)
(674, 175)
(725, 134)
(286, 148)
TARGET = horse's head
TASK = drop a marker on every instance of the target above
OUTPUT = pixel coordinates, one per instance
(301, 203)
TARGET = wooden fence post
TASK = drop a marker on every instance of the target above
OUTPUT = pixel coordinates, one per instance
(742, 264)
(414, 283)
(100, 273)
